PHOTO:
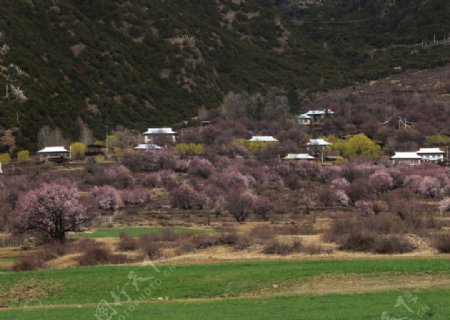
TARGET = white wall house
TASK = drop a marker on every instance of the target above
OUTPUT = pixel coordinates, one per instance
(160, 136)
(317, 148)
(53, 153)
(410, 158)
(299, 157)
(304, 120)
(263, 139)
(431, 154)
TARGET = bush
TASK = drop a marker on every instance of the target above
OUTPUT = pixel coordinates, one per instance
(150, 250)
(107, 198)
(152, 180)
(185, 197)
(138, 196)
(200, 167)
(441, 242)
(239, 205)
(127, 243)
(99, 255)
(23, 156)
(444, 205)
(189, 149)
(262, 206)
(77, 150)
(392, 244)
(149, 161)
(32, 262)
(274, 247)
(5, 158)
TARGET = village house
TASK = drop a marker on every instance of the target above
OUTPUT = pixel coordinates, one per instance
(312, 116)
(54, 154)
(317, 148)
(147, 146)
(409, 158)
(263, 139)
(160, 136)
(304, 120)
(431, 154)
(299, 157)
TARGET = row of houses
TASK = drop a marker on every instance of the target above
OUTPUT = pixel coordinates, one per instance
(159, 138)
(435, 155)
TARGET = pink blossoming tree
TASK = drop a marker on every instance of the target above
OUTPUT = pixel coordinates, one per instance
(50, 211)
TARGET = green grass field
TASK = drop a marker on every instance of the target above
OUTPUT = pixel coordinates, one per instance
(238, 290)
(75, 286)
(329, 307)
(135, 232)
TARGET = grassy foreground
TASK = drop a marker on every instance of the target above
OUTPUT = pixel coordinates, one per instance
(135, 232)
(92, 284)
(331, 307)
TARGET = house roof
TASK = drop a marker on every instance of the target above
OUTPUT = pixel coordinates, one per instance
(317, 142)
(53, 150)
(263, 139)
(406, 155)
(303, 116)
(152, 131)
(299, 156)
(319, 112)
(147, 146)
(430, 150)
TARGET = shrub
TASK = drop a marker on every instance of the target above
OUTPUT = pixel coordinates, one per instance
(342, 198)
(239, 205)
(127, 243)
(27, 263)
(365, 208)
(262, 233)
(77, 150)
(262, 206)
(360, 189)
(381, 181)
(441, 242)
(200, 167)
(23, 156)
(99, 255)
(149, 249)
(107, 198)
(326, 196)
(275, 247)
(189, 149)
(339, 183)
(392, 244)
(429, 187)
(5, 158)
(231, 180)
(138, 196)
(119, 177)
(152, 180)
(444, 205)
(149, 161)
(185, 197)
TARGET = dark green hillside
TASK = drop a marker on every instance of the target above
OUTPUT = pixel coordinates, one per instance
(146, 62)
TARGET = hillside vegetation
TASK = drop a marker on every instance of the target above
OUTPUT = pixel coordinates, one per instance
(88, 64)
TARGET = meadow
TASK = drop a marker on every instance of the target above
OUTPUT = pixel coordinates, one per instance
(238, 290)
(134, 232)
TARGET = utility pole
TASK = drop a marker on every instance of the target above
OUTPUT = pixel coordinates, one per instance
(106, 140)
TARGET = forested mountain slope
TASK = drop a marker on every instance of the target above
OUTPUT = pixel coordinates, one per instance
(88, 64)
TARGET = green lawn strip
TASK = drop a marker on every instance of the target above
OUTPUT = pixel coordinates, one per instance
(135, 232)
(91, 284)
(330, 307)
